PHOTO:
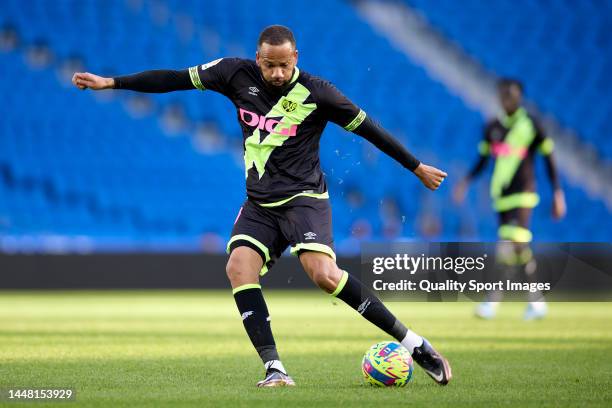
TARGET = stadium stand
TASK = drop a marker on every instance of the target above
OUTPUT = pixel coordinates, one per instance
(568, 39)
(132, 172)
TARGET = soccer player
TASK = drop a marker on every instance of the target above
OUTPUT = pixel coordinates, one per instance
(282, 112)
(512, 140)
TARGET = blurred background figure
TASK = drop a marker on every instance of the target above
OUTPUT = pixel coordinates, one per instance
(137, 176)
(513, 140)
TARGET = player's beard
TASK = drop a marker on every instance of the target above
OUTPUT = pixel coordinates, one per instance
(276, 88)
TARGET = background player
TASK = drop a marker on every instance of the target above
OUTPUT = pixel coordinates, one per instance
(282, 112)
(512, 140)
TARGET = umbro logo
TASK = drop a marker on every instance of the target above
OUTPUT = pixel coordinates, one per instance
(253, 90)
(362, 307)
(310, 235)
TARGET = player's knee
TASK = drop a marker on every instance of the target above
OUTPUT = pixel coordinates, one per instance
(239, 270)
(232, 269)
(323, 271)
(243, 266)
(324, 281)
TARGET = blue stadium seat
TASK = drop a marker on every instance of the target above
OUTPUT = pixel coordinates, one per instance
(75, 164)
(561, 50)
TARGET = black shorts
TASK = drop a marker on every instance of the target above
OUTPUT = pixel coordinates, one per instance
(304, 223)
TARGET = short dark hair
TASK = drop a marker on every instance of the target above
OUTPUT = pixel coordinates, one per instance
(276, 35)
(508, 82)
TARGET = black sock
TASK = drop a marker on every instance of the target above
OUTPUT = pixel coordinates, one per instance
(255, 317)
(364, 301)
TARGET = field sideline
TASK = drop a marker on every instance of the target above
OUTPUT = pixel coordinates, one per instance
(188, 348)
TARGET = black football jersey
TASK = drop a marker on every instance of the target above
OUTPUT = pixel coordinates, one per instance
(513, 141)
(281, 126)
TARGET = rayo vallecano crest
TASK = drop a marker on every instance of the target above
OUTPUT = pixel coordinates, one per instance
(289, 106)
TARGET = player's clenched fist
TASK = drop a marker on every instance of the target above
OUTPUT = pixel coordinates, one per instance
(84, 80)
(430, 176)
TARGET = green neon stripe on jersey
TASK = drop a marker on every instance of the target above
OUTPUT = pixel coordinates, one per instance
(547, 146)
(255, 242)
(320, 196)
(341, 284)
(520, 136)
(313, 246)
(256, 151)
(517, 200)
(357, 121)
(245, 287)
(195, 78)
(514, 233)
(484, 148)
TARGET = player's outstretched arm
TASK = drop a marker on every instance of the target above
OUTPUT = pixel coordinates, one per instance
(155, 81)
(431, 177)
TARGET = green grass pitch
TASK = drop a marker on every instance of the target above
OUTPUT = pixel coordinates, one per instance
(188, 348)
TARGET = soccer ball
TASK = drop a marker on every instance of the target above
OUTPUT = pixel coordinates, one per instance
(387, 364)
